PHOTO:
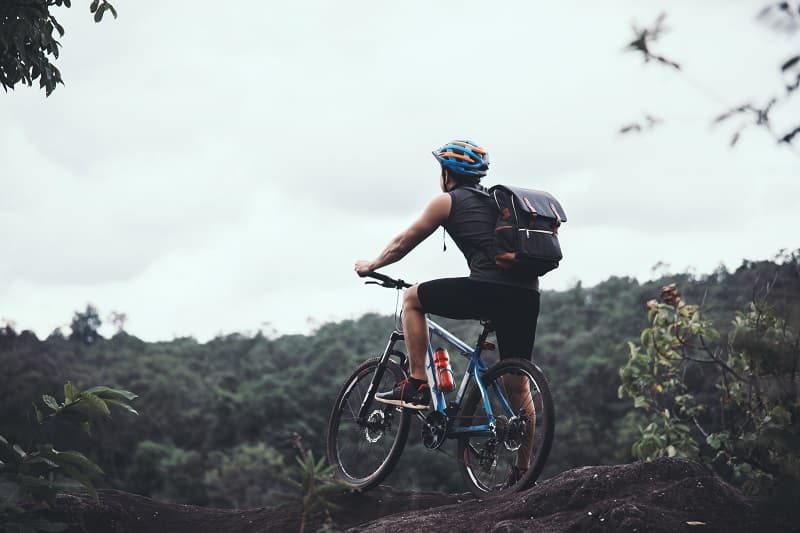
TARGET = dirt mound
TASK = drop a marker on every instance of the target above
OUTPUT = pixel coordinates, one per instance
(666, 495)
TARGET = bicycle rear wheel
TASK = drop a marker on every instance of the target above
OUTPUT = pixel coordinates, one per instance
(511, 459)
(365, 451)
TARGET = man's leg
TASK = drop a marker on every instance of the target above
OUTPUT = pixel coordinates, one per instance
(452, 297)
(413, 393)
(516, 332)
(519, 390)
(415, 330)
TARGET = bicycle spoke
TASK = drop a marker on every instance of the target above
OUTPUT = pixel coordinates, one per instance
(496, 463)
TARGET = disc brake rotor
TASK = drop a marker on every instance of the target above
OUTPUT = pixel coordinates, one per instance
(377, 423)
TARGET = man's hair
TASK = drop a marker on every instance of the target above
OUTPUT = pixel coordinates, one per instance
(461, 179)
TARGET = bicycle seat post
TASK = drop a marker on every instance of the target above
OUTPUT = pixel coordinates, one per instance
(488, 327)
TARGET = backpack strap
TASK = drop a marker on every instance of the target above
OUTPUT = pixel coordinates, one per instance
(477, 189)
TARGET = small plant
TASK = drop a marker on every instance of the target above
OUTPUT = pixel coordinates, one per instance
(30, 480)
(314, 481)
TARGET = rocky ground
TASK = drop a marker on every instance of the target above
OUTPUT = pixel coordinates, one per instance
(666, 495)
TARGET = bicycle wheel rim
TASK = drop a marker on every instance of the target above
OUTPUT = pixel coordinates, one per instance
(364, 455)
(487, 462)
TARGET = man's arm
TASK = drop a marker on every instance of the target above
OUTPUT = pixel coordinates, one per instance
(434, 216)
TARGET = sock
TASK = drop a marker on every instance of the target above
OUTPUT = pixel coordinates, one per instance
(414, 382)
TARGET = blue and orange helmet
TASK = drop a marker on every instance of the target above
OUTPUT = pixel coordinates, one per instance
(466, 159)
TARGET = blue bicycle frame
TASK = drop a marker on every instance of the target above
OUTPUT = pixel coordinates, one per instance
(475, 368)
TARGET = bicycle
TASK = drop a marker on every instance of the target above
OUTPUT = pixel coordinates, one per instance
(495, 423)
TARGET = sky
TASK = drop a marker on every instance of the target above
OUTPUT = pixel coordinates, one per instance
(210, 169)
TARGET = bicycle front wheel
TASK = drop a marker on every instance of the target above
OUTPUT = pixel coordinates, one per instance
(364, 451)
(510, 459)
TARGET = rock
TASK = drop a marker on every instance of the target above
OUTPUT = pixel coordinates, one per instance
(666, 495)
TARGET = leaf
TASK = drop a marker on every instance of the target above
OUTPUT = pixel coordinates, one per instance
(122, 405)
(74, 458)
(50, 402)
(93, 6)
(19, 451)
(790, 63)
(71, 392)
(98, 15)
(108, 392)
(58, 26)
(91, 405)
(113, 11)
(43, 460)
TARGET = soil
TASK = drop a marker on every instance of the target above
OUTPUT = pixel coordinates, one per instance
(666, 495)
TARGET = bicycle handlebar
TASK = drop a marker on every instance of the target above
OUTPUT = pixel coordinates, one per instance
(386, 281)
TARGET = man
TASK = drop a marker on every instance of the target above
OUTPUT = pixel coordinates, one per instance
(468, 214)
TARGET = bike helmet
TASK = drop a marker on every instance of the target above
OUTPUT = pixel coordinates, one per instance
(463, 158)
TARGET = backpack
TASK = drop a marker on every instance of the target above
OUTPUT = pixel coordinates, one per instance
(526, 231)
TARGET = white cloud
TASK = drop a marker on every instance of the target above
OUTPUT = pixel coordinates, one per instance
(208, 170)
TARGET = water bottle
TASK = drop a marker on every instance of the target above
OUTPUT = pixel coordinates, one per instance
(444, 374)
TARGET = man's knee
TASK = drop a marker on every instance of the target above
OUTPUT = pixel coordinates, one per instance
(411, 299)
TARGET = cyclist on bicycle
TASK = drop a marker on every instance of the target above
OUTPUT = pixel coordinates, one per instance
(468, 214)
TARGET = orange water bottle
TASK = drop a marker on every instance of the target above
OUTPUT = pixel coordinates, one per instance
(444, 374)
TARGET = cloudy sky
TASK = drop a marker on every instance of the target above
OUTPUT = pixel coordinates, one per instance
(210, 171)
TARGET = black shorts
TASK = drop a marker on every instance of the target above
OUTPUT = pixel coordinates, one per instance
(513, 310)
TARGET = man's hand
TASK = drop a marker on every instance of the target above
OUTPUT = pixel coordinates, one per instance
(363, 268)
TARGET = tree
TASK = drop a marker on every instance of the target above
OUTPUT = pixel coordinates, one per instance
(85, 325)
(27, 41)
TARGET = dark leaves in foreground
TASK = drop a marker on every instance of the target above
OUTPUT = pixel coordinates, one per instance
(759, 116)
(644, 37)
(791, 135)
(649, 123)
(792, 64)
(28, 42)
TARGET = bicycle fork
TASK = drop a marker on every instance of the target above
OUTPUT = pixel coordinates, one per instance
(379, 371)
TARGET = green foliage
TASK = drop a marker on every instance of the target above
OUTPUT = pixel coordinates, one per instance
(28, 41)
(312, 481)
(29, 480)
(247, 476)
(216, 410)
(744, 421)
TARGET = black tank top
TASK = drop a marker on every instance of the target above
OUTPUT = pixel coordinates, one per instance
(471, 226)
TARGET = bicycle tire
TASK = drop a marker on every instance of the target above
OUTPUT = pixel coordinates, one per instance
(485, 470)
(363, 457)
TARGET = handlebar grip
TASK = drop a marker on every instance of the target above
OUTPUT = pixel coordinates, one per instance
(380, 277)
(386, 281)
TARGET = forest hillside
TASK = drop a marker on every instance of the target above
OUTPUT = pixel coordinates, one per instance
(221, 422)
